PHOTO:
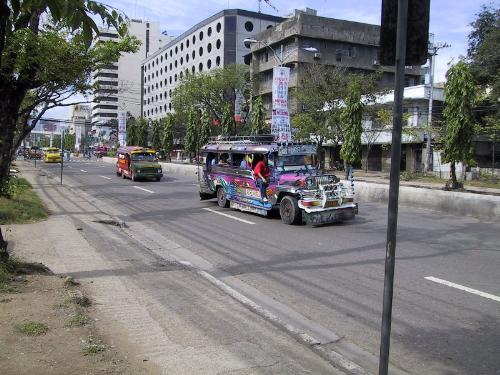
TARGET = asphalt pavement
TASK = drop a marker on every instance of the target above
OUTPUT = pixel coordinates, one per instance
(328, 280)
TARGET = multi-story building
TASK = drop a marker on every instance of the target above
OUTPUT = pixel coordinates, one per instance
(80, 123)
(120, 83)
(214, 42)
(334, 42)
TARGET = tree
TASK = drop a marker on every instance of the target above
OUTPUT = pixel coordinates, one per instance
(379, 124)
(132, 131)
(258, 124)
(156, 135)
(142, 132)
(168, 133)
(45, 58)
(483, 52)
(491, 129)
(351, 117)
(205, 131)
(210, 91)
(227, 121)
(460, 95)
(321, 96)
(190, 139)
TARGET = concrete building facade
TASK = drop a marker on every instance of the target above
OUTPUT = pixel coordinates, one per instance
(80, 122)
(337, 42)
(120, 83)
(213, 43)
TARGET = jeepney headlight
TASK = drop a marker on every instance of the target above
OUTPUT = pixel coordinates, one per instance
(138, 171)
(159, 170)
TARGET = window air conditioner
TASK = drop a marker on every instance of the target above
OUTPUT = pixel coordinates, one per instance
(317, 55)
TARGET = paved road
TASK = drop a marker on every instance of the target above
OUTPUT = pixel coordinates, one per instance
(330, 279)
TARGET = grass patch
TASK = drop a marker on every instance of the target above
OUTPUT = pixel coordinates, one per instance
(23, 205)
(5, 300)
(31, 328)
(78, 320)
(93, 346)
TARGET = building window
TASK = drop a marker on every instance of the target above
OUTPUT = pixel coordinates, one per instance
(153, 63)
(170, 66)
(218, 43)
(170, 79)
(175, 77)
(175, 63)
(182, 46)
(166, 54)
(248, 26)
(193, 69)
(269, 26)
(209, 31)
(194, 39)
(157, 61)
(193, 54)
(217, 61)
(169, 106)
(200, 36)
(219, 27)
(209, 64)
(338, 55)
(200, 67)
(187, 43)
(187, 57)
(171, 53)
(181, 74)
(161, 70)
(209, 47)
(200, 51)
(176, 49)
(165, 81)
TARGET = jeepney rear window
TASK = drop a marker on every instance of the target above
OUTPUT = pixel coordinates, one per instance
(144, 156)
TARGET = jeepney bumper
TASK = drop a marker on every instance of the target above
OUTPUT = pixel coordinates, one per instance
(148, 175)
(330, 215)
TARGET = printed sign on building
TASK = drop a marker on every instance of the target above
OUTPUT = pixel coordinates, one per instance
(122, 128)
(78, 136)
(280, 126)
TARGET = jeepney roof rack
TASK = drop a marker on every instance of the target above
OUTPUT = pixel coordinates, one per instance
(250, 139)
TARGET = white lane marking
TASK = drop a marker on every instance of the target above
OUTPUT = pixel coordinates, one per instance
(464, 288)
(107, 178)
(70, 167)
(146, 190)
(83, 170)
(229, 216)
(195, 184)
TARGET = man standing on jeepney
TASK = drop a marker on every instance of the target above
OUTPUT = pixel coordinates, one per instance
(262, 173)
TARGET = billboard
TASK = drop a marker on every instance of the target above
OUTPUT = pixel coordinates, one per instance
(122, 128)
(280, 125)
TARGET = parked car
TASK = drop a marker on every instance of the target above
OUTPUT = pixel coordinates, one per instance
(33, 153)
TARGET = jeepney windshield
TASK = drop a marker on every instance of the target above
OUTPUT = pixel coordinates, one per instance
(144, 156)
(295, 162)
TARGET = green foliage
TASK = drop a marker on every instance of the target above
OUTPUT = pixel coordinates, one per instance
(209, 91)
(78, 320)
(142, 132)
(168, 133)
(93, 346)
(31, 328)
(459, 101)
(206, 123)
(483, 52)
(322, 92)
(258, 124)
(351, 117)
(21, 205)
(192, 128)
(132, 129)
(227, 121)
(156, 135)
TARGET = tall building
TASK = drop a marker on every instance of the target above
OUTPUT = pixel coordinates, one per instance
(214, 42)
(335, 42)
(80, 123)
(120, 83)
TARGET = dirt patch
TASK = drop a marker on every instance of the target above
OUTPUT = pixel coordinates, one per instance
(44, 331)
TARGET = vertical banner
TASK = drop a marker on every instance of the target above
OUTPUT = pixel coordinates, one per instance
(280, 126)
(78, 136)
(122, 128)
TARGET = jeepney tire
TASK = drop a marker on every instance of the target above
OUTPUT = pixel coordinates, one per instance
(290, 211)
(118, 173)
(132, 176)
(158, 178)
(222, 198)
(123, 175)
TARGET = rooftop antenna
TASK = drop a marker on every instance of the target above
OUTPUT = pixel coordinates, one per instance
(268, 2)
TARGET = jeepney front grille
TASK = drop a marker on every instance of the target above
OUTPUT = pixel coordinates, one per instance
(324, 180)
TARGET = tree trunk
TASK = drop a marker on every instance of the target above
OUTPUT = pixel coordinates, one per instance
(453, 176)
(493, 159)
(346, 169)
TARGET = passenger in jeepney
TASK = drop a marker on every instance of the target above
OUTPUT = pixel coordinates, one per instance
(223, 162)
(262, 174)
(246, 162)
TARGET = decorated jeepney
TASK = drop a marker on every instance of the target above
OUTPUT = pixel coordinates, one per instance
(301, 191)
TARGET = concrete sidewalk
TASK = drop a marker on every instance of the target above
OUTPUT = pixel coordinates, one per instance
(151, 308)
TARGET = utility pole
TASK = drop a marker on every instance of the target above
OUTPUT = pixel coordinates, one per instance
(433, 48)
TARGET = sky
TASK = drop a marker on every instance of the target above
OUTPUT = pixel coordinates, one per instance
(449, 19)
